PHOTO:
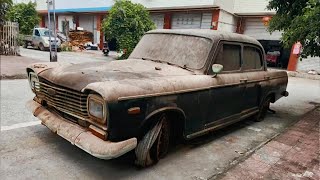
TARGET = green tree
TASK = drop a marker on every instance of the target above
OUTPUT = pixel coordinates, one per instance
(26, 15)
(300, 21)
(127, 22)
(4, 7)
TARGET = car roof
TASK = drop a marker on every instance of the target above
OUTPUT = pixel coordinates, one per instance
(214, 35)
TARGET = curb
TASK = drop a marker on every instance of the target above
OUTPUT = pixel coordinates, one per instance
(12, 77)
(298, 74)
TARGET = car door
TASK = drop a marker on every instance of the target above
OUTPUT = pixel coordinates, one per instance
(36, 37)
(227, 90)
(253, 68)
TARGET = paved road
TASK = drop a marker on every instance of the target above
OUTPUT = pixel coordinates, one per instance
(35, 153)
(73, 57)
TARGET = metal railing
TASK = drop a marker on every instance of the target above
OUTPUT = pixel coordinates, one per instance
(9, 34)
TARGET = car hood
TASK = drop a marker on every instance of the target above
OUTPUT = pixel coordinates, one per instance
(78, 76)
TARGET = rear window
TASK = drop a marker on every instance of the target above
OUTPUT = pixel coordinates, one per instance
(230, 57)
(252, 58)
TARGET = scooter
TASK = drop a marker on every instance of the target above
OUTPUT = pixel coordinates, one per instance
(105, 49)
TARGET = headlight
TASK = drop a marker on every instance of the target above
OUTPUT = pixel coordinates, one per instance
(97, 108)
(46, 42)
(33, 81)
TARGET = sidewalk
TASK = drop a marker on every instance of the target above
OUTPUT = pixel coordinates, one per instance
(292, 155)
(14, 67)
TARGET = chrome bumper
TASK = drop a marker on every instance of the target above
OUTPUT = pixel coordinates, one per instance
(80, 136)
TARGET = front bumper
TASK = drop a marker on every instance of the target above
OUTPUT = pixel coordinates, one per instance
(80, 136)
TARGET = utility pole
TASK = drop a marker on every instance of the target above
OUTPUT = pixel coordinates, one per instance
(53, 53)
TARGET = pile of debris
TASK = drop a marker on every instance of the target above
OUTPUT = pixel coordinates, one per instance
(80, 38)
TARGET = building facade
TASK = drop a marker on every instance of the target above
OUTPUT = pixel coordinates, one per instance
(239, 16)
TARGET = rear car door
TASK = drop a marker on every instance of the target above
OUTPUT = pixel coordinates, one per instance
(227, 89)
(253, 68)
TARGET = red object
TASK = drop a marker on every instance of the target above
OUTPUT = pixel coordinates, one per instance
(167, 21)
(271, 58)
(99, 28)
(77, 21)
(293, 61)
(240, 25)
(43, 21)
(215, 19)
(266, 20)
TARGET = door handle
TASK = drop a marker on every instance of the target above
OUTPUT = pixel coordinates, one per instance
(267, 77)
(243, 80)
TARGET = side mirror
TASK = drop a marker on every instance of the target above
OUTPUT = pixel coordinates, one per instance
(216, 69)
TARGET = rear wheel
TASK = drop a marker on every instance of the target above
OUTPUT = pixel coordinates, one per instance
(263, 109)
(155, 144)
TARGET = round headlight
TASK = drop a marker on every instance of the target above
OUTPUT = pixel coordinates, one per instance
(97, 108)
(33, 81)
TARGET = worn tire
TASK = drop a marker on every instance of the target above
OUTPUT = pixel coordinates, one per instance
(159, 147)
(25, 45)
(263, 109)
(41, 47)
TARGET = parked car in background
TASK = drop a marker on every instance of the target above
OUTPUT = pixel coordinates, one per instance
(175, 84)
(40, 40)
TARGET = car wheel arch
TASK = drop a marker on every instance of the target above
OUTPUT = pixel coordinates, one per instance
(176, 116)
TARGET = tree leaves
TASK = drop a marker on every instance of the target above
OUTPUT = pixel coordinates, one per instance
(5, 5)
(26, 15)
(127, 22)
(300, 21)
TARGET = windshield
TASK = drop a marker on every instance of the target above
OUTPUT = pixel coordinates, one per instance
(45, 32)
(181, 50)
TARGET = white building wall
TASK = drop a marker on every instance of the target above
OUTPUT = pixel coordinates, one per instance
(227, 22)
(76, 4)
(247, 7)
(310, 63)
(167, 4)
(227, 5)
(62, 18)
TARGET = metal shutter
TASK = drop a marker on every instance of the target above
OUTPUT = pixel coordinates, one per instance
(255, 28)
(87, 22)
(186, 21)
(158, 20)
(206, 20)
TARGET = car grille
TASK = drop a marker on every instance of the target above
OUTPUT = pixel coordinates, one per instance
(64, 100)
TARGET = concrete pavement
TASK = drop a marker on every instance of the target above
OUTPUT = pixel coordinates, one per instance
(34, 152)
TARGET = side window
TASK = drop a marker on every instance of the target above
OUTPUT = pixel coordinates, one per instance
(36, 32)
(229, 56)
(252, 58)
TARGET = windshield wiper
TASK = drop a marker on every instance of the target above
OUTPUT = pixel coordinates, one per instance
(159, 61)
(154, 60)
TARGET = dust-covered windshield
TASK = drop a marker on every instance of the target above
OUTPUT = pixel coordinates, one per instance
(185, 51)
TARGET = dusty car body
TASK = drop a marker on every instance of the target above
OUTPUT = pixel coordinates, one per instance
(176, 83)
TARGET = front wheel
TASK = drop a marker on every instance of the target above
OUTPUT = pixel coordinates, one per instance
(265, 105)
(154, 145)
(41, 47)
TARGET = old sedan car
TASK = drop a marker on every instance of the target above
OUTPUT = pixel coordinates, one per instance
(176, 83)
